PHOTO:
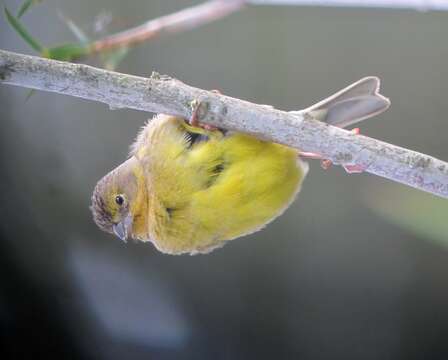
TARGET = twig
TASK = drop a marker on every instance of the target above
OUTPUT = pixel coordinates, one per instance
(177, 22)
(166, 95)
(213, 10)
(420, 5)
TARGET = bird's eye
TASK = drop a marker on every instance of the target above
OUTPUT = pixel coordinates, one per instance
(119, 199)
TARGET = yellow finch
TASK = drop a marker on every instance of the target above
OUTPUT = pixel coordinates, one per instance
(189, 190)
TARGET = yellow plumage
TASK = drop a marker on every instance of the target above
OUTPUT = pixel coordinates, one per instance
(214, 190)
(189, 190)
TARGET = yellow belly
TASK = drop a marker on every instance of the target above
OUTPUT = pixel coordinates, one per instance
(253, 183)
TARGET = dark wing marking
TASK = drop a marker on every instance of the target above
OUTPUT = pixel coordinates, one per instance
(215, 172)
(194, 138)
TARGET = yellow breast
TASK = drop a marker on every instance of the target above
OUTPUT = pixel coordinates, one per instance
(224, 186)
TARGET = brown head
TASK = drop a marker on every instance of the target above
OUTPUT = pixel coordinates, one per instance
(116, 199)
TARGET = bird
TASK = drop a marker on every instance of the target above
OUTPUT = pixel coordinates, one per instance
(189, 189)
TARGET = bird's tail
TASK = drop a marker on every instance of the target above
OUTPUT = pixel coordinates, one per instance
(352, 104)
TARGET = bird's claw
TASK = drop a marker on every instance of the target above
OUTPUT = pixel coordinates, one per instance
(326, 163)
(194, 120)
(354, 169)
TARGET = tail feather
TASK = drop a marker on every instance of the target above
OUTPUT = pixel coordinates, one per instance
(356, 102)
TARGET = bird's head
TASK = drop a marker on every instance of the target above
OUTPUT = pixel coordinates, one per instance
(119, 198)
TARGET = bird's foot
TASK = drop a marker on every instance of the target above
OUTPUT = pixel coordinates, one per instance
(326, 163)
(194, 120)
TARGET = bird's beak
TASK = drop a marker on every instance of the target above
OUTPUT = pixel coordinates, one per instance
(123, 228)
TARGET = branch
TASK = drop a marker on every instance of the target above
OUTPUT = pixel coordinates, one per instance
(163, 94)
(177, 22)
(421, 5)
(213, 10)
(184, 20)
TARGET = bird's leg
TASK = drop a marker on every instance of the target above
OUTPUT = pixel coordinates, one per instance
(326, 163)
(194, 116)
(354, 169)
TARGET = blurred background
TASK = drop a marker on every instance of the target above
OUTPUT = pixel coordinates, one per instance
(355, 269)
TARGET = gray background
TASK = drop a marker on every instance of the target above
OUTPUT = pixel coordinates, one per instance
(327, 280)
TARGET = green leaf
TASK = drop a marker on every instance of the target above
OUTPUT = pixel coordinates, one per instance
(415, 211)
(29, 94)
(66, 52)
(112, 59)
(75, 29)
(25, 7)
(24, 34)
